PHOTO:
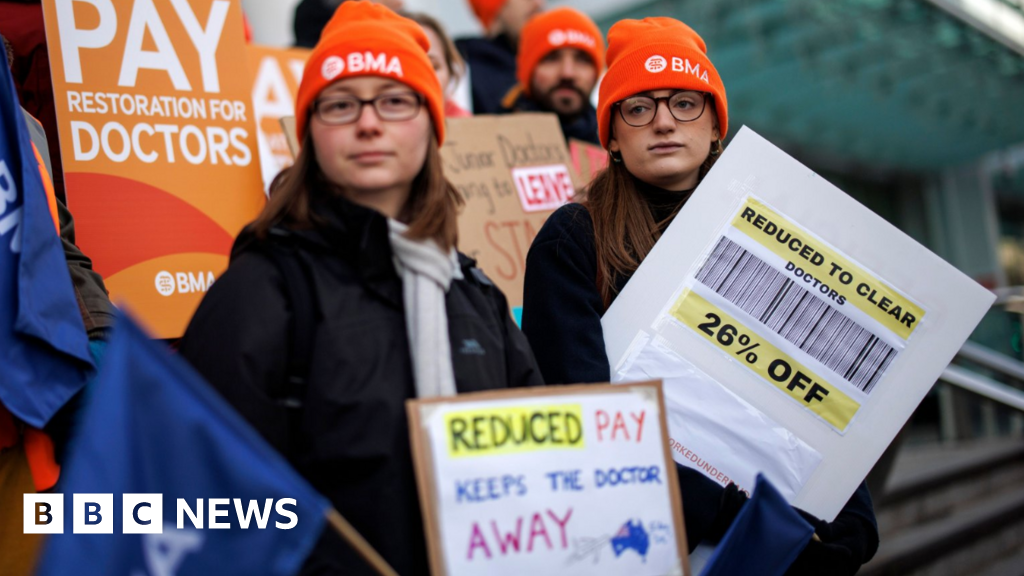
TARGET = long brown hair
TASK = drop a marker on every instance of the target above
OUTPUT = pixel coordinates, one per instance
(430, 212)
(624, 229)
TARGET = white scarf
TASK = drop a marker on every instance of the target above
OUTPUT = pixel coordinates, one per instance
(426, 273)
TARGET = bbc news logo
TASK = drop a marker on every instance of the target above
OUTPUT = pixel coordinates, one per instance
(143, 513)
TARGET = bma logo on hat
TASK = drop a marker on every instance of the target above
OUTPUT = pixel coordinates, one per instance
(656, 64)
(560, 37)
(332, 67)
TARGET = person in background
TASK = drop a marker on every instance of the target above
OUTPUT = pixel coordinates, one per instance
(447, 62)
(312, 15)
(561, 55)
(492, 58)
(361, 234)
(663, 128)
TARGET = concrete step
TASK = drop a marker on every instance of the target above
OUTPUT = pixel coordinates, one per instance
(1010, 565)
(976, 531)
(929, 483)
(952, 510)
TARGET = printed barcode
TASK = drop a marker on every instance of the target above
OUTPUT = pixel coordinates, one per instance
(794, 313)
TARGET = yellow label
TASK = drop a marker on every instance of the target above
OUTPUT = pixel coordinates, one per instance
(500, 430)
(773, 365)
(824, 266)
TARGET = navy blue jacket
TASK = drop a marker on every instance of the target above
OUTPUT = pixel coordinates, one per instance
(562, 311)
(492, 70)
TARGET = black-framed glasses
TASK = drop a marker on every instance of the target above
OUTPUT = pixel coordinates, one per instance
(685, 106)
(390, 107)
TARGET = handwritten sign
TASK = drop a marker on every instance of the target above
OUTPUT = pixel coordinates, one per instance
(513, 172)
(276, 76)
(158, 140)
(567, 480)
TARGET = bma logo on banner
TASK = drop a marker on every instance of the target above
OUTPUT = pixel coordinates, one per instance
(182, 282)
(143, 513)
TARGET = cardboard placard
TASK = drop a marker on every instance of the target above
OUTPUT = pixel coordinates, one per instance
(796, 330)
(513, 171)
(587, 160)
(158, 141)
(277, 73)
(560, 480)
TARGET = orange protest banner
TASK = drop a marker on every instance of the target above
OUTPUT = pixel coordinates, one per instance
(276, 76)
(158, 140)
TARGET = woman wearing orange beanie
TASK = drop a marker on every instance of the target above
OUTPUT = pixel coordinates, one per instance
(662, 115)
(346, 297)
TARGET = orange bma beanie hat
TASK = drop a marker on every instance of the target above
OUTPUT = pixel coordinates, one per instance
(367, 39)
(552, 30)
(656, 54)
(486, 10)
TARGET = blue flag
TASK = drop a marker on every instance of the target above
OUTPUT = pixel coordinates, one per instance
(152, 426)
(764, 539)
(44, 350)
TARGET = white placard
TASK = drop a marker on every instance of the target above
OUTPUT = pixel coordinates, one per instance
(814, 312)
(703, 413)
(566, 480)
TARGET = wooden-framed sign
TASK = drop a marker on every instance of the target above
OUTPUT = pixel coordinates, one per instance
(559, 480)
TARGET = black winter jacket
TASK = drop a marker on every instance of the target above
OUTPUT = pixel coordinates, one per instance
(352, 440)
(562, 311)
(492, 70)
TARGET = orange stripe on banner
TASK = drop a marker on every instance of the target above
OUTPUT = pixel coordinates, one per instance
(51, 196)
(112, 232)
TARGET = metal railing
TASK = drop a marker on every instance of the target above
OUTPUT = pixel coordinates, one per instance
(983, 385)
